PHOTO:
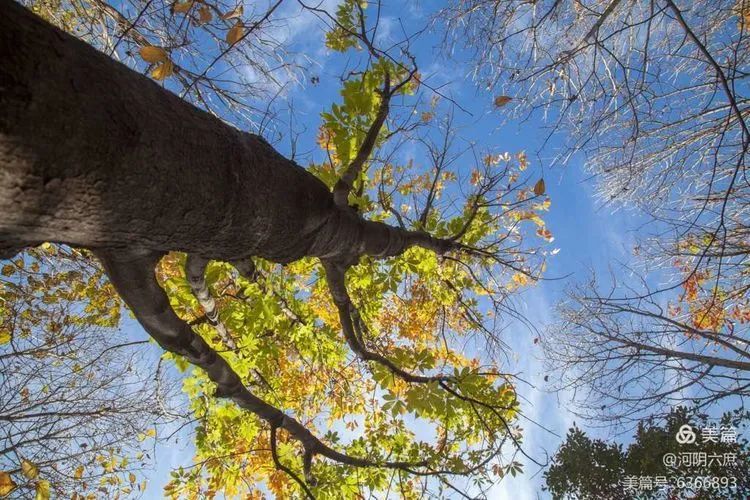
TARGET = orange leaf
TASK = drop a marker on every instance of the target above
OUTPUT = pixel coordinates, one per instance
(539, 187)
(237, 12)
(502, 100)
(42, 490)
(234, 35)
(204, 15)
(7, 485)
(163, 71)
(182, 7)
(29, 469)
(153, 55)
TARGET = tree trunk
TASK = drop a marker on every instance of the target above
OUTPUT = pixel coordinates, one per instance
(95, 155)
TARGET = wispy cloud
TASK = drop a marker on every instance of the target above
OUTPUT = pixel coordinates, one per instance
(539, 408)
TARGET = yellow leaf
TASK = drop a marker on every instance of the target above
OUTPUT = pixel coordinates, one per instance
(153, 55)
(42, 490)
(7, 485)
(529, 215)
(163, 70)
(182, 7)
(235, 33)
(539, 187)
(204, 15)
(502, 100)
(545, 233)
(520, 279)
(8, 270)
(149, 433)
(131, 477)
(29, 469)
(5, 337)
(523, 161)
(237, 12)
(79, 472)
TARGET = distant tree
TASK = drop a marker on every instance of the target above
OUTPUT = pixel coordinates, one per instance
(625, 356)
(654, 96)
(591, 469)
(78, 407)
(586, 468)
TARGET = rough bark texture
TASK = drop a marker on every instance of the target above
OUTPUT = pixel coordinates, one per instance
(96, 155)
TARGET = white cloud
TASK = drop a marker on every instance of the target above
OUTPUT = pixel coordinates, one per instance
(549, 410)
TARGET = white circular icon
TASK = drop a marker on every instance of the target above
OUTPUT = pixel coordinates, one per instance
(685, 435)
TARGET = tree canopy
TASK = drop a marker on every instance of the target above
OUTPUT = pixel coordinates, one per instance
(651, 96)
(586, 468)
(337, 305)
(78, 409)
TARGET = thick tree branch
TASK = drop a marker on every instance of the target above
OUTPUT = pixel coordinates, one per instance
(132, 274)
(289, 472)
(345, 184)
(335, 276)
(673, 354)
(253, 202)
(349, 317)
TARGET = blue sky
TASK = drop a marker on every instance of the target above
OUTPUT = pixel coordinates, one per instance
(589, 236)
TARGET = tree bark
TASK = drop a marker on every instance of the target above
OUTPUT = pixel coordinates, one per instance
(95, 155)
